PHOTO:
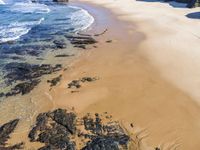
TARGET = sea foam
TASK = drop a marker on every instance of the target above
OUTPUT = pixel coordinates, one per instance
(81, 19)
(30, 8)
(15, 30)
(1, 2)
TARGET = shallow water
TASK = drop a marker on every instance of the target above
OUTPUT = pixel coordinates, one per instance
(28, 33)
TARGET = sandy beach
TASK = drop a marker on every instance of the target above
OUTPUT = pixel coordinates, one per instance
(147, 69)
(148, 74)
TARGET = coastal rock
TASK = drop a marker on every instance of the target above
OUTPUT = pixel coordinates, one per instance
(5, 131)
(81, 41)
(53, 129)
(77, 83)
(64, 55)
(23, 88)
(106, 143)
(60, 44)
(58, 130)
(55, 80)
(24, 77)
(24, 71)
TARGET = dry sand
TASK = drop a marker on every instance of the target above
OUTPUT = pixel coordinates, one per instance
(148, 75)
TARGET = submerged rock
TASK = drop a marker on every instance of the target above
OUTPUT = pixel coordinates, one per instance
(60, 44)
(81, 41)
(24, 77)
(24, 71)
(23, 88)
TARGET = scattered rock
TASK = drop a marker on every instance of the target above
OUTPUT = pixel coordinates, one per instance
(77, 83)
(81, 41)
(74, 83)
(64, 55)
(60, 44)
(24, 71)
(55, 80)
(23, 88)
(109, 41)
(27, 75)
(88, 79)
(5, 131)
(53, 129)
(57, 130)
(106, 136)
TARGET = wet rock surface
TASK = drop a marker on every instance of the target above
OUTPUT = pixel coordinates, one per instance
(23, 88)
(25, 76)
(54, 130)
(77, 83)
(81, 41)
(55, 80)
(63, 130)
(64, 55)
(24, 71)
(60, 44)
(5, 131)
(104, 136)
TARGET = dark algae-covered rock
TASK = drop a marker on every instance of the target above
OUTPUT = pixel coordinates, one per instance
(54, 130)
(23, 88)
(105, 136)
(25, 71)
(64, 130)
(81, 41)
(24, 77)
(60, 44)
(77, 83)
(55, 80)
(5, 131)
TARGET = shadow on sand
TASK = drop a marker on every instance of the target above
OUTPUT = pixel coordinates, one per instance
(194, 15)
(171, 3)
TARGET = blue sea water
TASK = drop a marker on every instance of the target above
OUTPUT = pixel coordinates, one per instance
(30, 28)
(18, 17)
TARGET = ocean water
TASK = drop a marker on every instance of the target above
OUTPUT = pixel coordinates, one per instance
(28, 30)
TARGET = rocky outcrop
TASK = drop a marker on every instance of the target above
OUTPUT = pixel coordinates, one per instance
(63, 130)
(28, 76)
(5, 131)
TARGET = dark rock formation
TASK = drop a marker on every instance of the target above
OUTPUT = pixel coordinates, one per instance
(53, 129)
(55, 80)
(110, 137)
(77, 83)
(81, 41)
(24, 71)
(58, 128)
(24, 77)
(60, 44)
(5, 131)
(64, 55)
(23, 88)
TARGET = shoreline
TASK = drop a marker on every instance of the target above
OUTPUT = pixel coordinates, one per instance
(131, 86)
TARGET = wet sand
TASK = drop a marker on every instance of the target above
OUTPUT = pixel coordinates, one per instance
(133, 84)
